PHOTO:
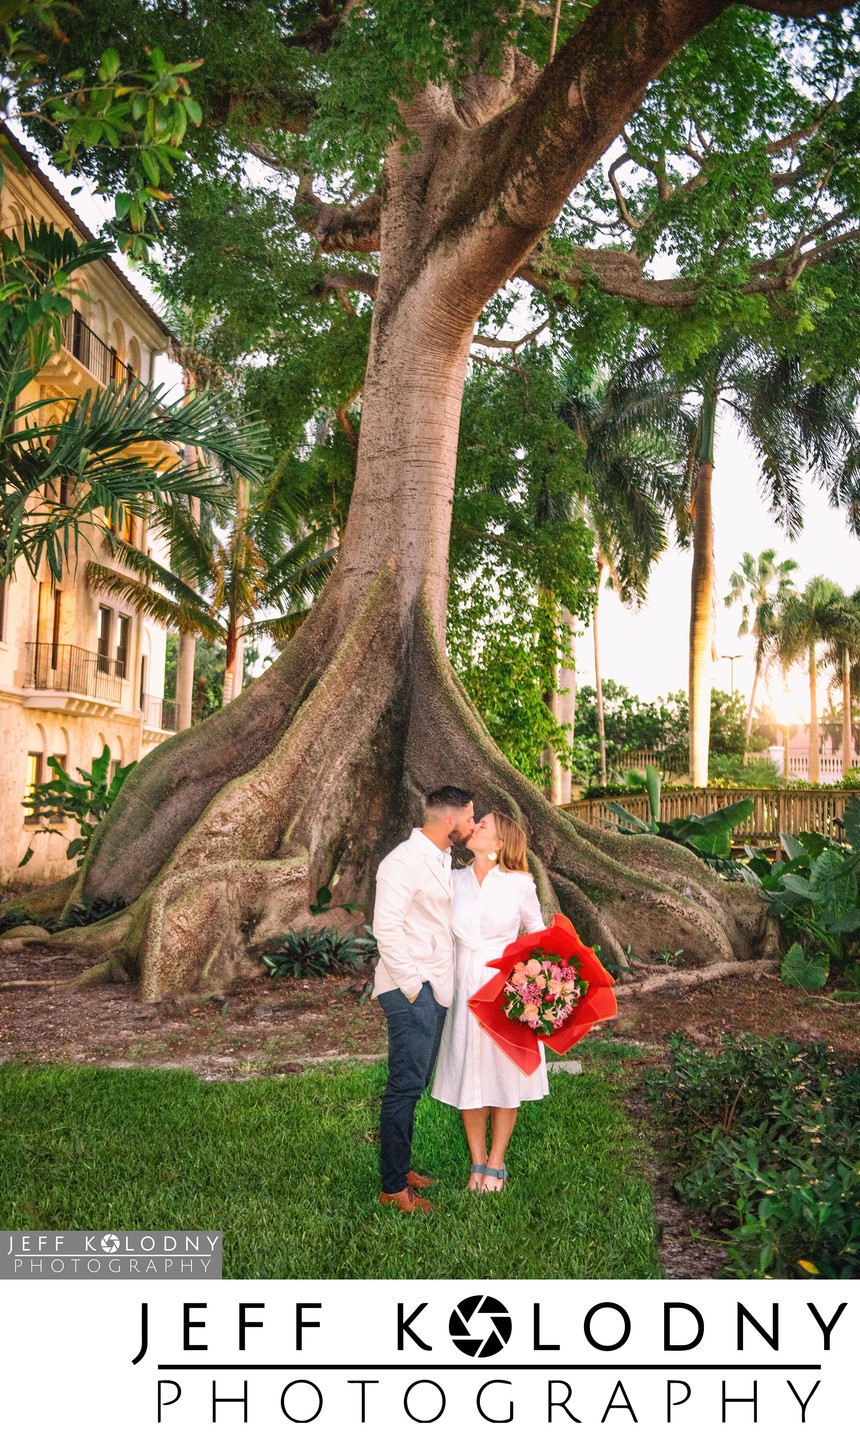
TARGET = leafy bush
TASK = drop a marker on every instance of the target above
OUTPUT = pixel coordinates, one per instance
(813, 892)
(730, 770)
(17, 916)
(62, 799)
(89, 911)
(303, 953)
(761, 1136)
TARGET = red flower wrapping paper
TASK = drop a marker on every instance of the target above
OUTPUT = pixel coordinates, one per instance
(515, 1039)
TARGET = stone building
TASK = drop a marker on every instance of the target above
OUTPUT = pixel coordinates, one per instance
(78, 670)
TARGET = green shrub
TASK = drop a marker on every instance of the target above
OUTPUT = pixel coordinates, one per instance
(63, 799)
(761, 1136)
(813, 891)
(303, 953)
(16, 916)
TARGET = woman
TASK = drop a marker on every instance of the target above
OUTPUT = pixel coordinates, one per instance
(494, 900)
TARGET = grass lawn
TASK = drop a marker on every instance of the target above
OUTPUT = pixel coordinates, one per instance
(287, 1169)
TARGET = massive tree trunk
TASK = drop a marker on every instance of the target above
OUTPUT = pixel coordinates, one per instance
(221, 835)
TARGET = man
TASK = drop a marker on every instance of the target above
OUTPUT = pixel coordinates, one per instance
(414, 980)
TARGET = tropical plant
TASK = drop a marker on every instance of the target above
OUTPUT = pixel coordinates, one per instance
(242, 573)
(792, 421)
(813, 891)
(66, 461)
(818, 614)
(301, 952)
(762, 585)
(62, 799)
(842, 657)
(710, 836)
(635, 432)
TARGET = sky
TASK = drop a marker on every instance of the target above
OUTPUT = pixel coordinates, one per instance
(646, 648)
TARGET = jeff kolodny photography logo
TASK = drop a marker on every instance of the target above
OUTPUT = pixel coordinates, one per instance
(110, 1255)
(574, 1359)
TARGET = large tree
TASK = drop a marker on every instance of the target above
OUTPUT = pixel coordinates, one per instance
(449, 146)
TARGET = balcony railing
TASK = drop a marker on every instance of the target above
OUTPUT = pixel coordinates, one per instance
(59, 667)
(160, 713)
(102, 361)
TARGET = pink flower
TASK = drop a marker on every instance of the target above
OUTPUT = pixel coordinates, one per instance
(533, 967)
(540, 982)
(530, 1012)
(555, 987)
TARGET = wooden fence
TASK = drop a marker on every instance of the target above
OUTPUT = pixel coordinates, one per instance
(773, 812)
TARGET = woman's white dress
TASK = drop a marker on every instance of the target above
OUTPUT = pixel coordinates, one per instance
(471, 1071)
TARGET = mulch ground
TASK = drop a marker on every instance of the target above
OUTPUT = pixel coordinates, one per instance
(267, 1027)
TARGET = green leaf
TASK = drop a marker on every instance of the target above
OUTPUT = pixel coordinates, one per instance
(852, 823)
(833, 883)
(109, 64)
(652, 787)
(150, 164)
(790, 845)
(809, 976)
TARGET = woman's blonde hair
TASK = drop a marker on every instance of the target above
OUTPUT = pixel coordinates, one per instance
(512, 852)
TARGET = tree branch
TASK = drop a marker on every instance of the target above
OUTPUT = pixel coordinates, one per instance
(616, 164)
(619, 273)
(338, 228)
(488, 341)
(795, 9)
(343, 282)
(319, 36)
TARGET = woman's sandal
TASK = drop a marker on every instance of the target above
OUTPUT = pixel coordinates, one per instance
(476, 1169)
(501, 1173)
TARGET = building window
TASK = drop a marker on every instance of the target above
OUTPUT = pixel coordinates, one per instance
(105, 615)
(142, 682)
(123, 523)
(35, 775)
(122, 645)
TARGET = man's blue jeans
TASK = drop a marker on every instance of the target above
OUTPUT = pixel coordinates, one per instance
(414, 1033)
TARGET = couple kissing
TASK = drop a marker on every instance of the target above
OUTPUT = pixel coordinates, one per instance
(436, 928)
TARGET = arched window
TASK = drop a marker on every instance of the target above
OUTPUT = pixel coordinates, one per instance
(35, 768)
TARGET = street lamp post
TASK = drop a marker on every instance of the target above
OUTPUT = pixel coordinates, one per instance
(730, 658)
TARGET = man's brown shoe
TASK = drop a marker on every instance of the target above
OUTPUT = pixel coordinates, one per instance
(405, 1200)
(418, 1182)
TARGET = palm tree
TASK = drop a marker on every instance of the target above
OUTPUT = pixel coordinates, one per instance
(842, 656)
(762, 585)
(240, 576)
(814, 616)
(790, 423)
(64, 461)
(636, 431)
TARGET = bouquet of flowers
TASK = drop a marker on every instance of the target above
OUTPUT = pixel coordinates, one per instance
(542, 993)
(548, 987)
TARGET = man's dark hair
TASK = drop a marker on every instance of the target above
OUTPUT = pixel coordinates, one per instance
(448, 797)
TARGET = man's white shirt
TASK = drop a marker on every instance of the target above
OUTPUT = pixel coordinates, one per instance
(412, 920)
